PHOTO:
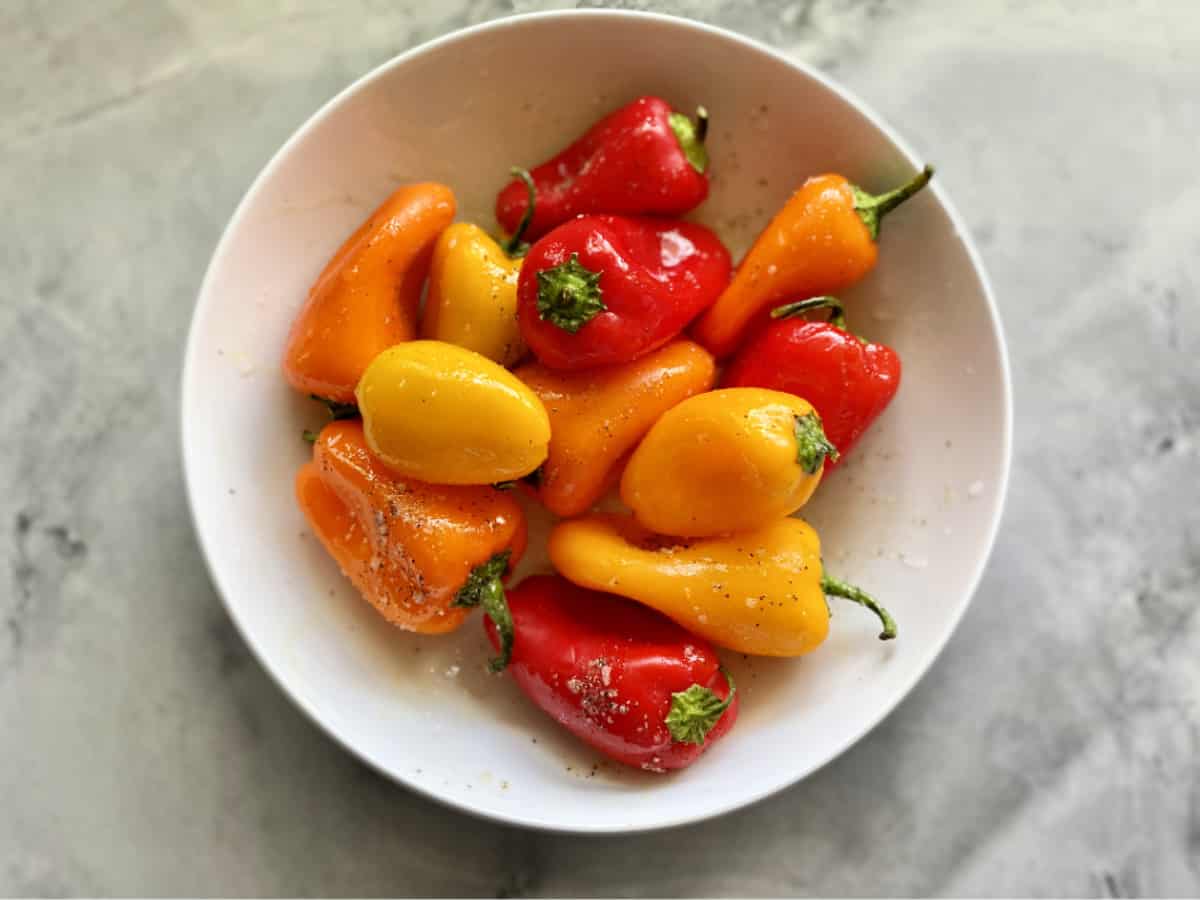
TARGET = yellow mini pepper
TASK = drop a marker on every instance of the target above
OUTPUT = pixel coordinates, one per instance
(761, 592)
(726, 461)
(446, 415)
(472, 295)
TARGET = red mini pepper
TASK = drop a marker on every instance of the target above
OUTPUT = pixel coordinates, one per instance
(848, 381)
(641, 159)
(601, 290)
(618, 675)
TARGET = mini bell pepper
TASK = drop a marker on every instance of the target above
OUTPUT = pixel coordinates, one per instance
(821, 242)
(848, 381)
(447, 415)
(641, 159)
(366, 298)
(602, 290)
(619, 676)
(598, 417)
(421, 554)
(472, 296)
(761, 592)
(724, 461)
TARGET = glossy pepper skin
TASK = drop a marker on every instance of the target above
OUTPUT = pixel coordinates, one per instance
(447, 415)
(642, 159)
(366, 298)
(761, 592)
(472, 295)
(619, 676)
(821, 242)
(604, 290)
(848, 381)
(598, 417)
(724, 461)
(421, 554)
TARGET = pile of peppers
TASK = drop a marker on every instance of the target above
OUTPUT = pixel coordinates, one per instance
(605, 345)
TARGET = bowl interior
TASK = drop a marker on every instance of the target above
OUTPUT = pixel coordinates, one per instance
(911, 516)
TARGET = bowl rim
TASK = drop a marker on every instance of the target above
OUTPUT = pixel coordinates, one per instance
(191, 373)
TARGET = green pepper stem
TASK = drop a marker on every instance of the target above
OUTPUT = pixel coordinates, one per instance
(515, 246)
(338, 410)
(871, 208)
(569, 295)
(691, 136)
(812, 446)
(696, 711)
(835, 587)
(837, 315)
(485, 588)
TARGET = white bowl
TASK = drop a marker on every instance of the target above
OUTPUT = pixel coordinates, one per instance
(912, 515)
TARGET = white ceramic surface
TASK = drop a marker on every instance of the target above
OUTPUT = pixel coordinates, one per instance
(912, 515)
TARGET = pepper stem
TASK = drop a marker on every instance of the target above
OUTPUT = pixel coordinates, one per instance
(484, 587)
(837, 315)
(812, 446)
(835, 587)
(691, 136)
(338, 410)
(871, 208)
(569, 295)
(515, 246)
(697, 710)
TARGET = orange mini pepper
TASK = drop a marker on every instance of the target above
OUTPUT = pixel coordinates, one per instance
(421, 554)
(821, 242)
(366, 298)
(597, 417)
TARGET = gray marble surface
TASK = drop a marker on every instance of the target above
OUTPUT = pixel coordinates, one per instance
(1055, 747)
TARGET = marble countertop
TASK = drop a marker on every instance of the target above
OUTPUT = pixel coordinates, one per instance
(1053, 748)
